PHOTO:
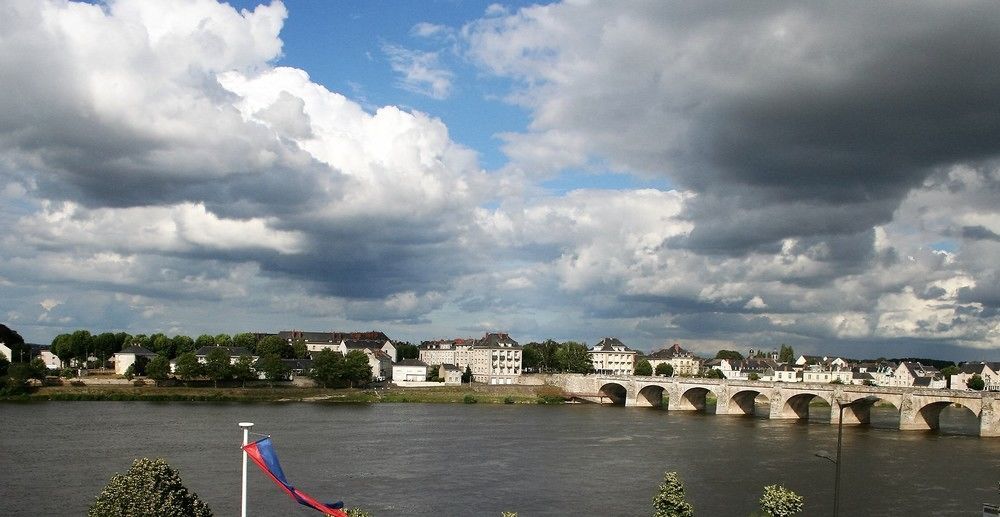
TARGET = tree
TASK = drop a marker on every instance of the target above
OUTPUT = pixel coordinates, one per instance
(223, 340)
(665, 369)
(188, 367)
(21, 372)
(80, 343)
(243, 370)
(105, 345)
(467, 375)
(531, 358)
(406, 350)
(786, 354)
(149, 488)
(158, 369)
(669, 500)
(181, 345)
(356, 368)
(203, 341)
(642, 367)
(300, 349)
(731, 355)
(130, 372)
(976, 383)
(161, 344)
(714, 373)
(274, 345)
(4, 364)
(572, 357)
(217, 364)
(327, 368)
(780, 501)
(948, 371)
(753, 377)
(61, 348)
(19, 351)
(273, 368)
(245, 340)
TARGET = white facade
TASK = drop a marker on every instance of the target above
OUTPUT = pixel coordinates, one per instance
(451, 374)
(827, 376)
(129, 356)
(611, 357)
(409, 370)
(52, 361)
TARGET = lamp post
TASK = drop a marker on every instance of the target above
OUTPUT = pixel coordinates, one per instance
(246, 435)
(870, 399)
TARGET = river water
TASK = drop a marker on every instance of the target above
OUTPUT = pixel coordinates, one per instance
(471, 460)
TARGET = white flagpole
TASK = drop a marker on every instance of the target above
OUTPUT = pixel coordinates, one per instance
(246, 435)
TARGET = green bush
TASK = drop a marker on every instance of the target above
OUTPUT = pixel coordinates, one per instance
(779, 501)
(508, 400)
(150, 488)
(469, 399)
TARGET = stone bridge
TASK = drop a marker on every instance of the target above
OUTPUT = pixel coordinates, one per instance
(919, 408)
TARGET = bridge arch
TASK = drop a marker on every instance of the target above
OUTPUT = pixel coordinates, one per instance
(930, 414)
(797, 406)
(693, 399)
(745, 402)
(650, 396)
(615, 392)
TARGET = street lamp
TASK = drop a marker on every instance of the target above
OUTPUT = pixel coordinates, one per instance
(869, 400)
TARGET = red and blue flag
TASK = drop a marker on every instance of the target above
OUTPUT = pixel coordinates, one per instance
(262, 453)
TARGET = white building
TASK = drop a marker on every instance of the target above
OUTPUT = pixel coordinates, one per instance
(451, 374)
(52, 361)
(341, 342)
(409, 370)
(683, 362)
(611, 357)
(496, 359)
(822, 376)
(128, 357)
(988, 371)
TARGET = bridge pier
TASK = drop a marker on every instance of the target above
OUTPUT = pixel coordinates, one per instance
(989, 419)
(852, 415)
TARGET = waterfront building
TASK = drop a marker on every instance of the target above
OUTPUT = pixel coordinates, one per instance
(128, 357)
(612, 357)
(409, 370)
(783, 373)
(451, 374)
(683, 362)
(447, 351)
(52, 361)
(826, 376)
(494, 359)
(341, 342)
(911, 373)
(988, 371)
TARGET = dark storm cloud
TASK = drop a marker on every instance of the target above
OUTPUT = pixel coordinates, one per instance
(836, 152)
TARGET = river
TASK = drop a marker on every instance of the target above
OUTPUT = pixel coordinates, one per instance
(469, 460)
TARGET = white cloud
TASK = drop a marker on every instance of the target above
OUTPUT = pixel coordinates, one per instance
(420, 72)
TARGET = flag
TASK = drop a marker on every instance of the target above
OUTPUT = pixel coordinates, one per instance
(262, 453)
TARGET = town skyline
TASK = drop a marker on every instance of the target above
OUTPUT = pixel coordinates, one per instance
(711, 175)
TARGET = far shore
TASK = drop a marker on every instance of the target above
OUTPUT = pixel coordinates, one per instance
(466, 393)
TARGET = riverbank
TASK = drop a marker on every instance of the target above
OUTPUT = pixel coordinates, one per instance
(467, 393)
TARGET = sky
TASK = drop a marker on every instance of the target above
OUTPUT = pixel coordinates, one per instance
(715, 174)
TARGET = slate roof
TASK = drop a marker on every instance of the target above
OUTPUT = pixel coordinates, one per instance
(495, 340)
(411, 362)
(609, 344)
(670, 353)
(451, 367)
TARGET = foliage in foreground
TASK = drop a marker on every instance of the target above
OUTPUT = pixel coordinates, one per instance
(669, 500)
(780, 501)
(150, 488)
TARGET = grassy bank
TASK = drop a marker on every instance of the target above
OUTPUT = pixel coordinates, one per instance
(474, 393)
